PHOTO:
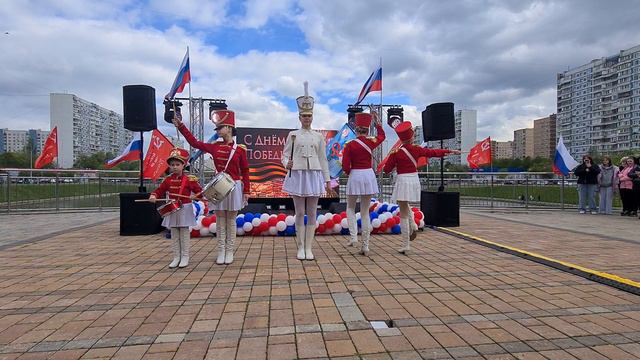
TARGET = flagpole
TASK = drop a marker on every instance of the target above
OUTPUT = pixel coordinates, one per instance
(380, 118)
(141, 188)
(491, 168)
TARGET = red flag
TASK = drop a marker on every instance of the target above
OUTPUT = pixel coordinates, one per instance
(480, 154)
(155, 162)
(50, 150)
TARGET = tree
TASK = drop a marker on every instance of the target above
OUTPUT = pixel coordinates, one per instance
(93, 161)
(14, 160)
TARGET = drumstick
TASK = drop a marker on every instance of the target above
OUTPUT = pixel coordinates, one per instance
(293, 142)
(185, 196)
(147, 200)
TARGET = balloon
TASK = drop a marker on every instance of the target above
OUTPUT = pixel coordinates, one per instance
(239, 231)
(305, 219)
(421, 225)
(375, 223)
(272, 221)
(373, 215)
(328, 215)
(206, 222)
(248, 217)
(397, 219)
(197, 227)
(214, 218)
(247, 227)
(337, 228)
(322, 219)
(358, 216)
(281, 233)
(359, 221)
(328, 224)
(290, 220)
(281, 225)
(336, 218)
(256, 221)
(282, 217)
(204, 231)
(320, 229)
(291, 230)
(273, 230)
(263, 227)
(419, 215)
(195, 233)
(382, 227)
(212, 228)
(239, 221)
(344, 223)
(344, 231)
(395, 229)
(383, 208)
(264, 217)
(343, 214)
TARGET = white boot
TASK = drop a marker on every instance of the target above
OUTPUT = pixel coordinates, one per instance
(175, 246)
(221, 231)
(405, 228)
(353, 229)
(185, 237)
(364, 250)
(300, 233)
(310, 233)
(231, 237)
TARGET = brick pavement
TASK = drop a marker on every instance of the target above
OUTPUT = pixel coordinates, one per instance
(91, 294)
(607, 243)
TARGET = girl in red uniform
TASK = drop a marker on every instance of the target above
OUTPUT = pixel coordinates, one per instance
(362, 183)
(407, 186)
(230, 158)
(179, 221)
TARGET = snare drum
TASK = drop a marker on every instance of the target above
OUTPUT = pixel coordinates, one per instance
(169, 208)
(219, 187)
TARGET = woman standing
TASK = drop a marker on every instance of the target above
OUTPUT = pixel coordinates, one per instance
(407, 185)
(587, 173)
(626, 187)
(357, 164)
(308, 178)
(608, 185)
(230, 158)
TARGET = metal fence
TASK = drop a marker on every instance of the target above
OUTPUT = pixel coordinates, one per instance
(64, 190)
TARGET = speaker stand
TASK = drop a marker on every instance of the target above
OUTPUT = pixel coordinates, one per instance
(141, 188)
(441, 187)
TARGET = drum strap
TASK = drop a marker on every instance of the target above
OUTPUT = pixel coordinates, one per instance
(233, 151)
(363, 145)
(182, 186)
(413, 160)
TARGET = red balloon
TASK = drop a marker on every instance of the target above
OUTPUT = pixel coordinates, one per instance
(195, 233)
(213, 218)
(328, 224)
(382, 227)
(396, 219)
(206, 221)
(264, 227)
(336, 218)
(343, 214)
(419, 215)
(273, 221)
(320, 229)
(281, 217)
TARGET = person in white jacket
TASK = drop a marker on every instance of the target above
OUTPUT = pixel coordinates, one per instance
(308, 177)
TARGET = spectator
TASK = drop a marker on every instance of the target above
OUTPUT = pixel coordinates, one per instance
(587, 173)
(608, 185)
(626, 188)
(634, 174)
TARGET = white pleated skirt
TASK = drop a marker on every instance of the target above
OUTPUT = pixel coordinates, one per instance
(181, 218)
(233, 201)
(406, 188)
(304, 183)
(362, 182)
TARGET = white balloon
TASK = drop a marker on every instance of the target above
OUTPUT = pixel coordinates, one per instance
(337, 228)
(247, 227)
(198, 226)
(421, 225)
(375, 223)
(264, 217)
(272, 230)
(239, 231)
(256, 222)
(290, 220)
(322, 219)
(281, 226)
(358, 216)
(344, 223)
(204, 231)
(212, 228)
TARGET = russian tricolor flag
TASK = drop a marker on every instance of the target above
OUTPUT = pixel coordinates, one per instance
(130, 153)
(182, 79)
(374, 83)
(563, 162)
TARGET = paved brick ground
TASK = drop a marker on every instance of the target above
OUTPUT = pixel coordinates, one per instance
(605, 243)
(91, 294)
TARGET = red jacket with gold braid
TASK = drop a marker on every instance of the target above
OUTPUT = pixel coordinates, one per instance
(354, 156)
(173, 183)
(238, 167)
(399, 160)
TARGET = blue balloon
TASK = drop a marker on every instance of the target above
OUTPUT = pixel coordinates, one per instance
(305, 219)
(395, 229)
(383, 208)
(248, 217)
(344, 231)
(290, 230)
(393, 208)
(373, 215)
(359, 223)
(256, 215)
(239, 222)
(281, 233)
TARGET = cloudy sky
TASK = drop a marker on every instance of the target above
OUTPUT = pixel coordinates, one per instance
(498, 57)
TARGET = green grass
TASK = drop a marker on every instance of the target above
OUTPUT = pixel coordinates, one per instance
(22, 192)
(546, 193)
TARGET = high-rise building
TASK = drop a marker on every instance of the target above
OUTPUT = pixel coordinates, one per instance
(466, 128)
(502, 149)
(85, 128)
(599, 104)
(523, 143)
(17, 140)
(418, 136)
(544, 137)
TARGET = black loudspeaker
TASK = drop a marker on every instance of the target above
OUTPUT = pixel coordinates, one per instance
(438, 122)
(138, 218)
(440, 208)
(139, 107)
